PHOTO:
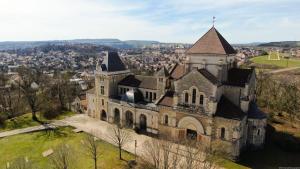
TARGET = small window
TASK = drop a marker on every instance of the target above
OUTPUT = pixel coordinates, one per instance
(186, 98)
(160, 79)
(166, 119)
(258, 132)
(102, 90)
(201, 99)
(102, 102)
(154, 96)
(194, 96)
(127, 89)
(146, 95)
(222, 133)
(150, 96)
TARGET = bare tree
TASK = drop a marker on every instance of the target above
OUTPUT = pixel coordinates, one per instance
(31, 86)
(62, 158)
(92, 148)
(120, 137)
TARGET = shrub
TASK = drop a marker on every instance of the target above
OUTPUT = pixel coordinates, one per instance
(2, 119)
(51, 113)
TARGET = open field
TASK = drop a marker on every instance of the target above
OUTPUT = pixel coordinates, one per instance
(32, 145)
(279, 63)
(25, 120)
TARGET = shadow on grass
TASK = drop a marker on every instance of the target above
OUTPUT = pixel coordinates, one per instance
(54, 133)
(280, 150)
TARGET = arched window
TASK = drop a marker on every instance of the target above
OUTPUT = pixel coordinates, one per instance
(166, 119)
(201, 99)
(186, 97)
(222, 133)
(258, 132)
(194, 96)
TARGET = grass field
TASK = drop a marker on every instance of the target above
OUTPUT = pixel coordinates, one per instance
(280, 63)
(32, 145)
(26, 121)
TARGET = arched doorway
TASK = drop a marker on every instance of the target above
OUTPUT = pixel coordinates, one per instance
(143, 122)
(117, 116)
(129, 119)
(103, 116)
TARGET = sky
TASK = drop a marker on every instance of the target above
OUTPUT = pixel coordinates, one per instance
(183, 21)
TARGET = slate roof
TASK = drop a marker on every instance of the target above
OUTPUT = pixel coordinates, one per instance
(146, 82)
(210, 77)
(212, 42)
(177, 71)
(167, 99)
(112, 62)
(254, 112)
(239, 77)
(228, 110)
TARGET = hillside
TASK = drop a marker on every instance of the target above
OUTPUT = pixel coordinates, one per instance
(288, 44)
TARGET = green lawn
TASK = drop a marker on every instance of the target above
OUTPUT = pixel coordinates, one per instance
(280, 63)
(32, 145)
(26, 121)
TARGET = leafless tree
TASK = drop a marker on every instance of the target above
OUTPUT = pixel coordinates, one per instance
(62, 158)
(92, 148)
(120, 137)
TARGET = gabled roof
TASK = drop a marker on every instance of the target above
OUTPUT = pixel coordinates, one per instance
(226, 109)
(177, 71)
(212, 43)
(162, 72)
(146, 82)
(167, 99)
(112, 63)
(254, 112)
(210, 77)
(238, 77)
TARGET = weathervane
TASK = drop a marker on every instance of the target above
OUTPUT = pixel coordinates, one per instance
(214, 20)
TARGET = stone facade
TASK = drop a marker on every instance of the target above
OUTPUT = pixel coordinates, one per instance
(207, 99)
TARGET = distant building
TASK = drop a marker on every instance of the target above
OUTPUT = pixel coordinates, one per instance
(207, 98)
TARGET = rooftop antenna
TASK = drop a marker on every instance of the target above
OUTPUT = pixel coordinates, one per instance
(214, 20)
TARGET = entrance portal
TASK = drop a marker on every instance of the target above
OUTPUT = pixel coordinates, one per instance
(143, 122)
(129, 119)
(191, 134)
(103, 116)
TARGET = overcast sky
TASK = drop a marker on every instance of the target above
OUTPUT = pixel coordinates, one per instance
(240, 21)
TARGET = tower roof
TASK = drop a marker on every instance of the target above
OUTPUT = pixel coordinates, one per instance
(112, 62)
(212, 42)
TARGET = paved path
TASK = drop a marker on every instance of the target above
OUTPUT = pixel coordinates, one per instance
(30, 129)
(282, 70)
(103, 129)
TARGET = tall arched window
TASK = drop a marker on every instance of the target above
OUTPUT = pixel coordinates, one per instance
(186, 97)
(166, 119)
(222, 133)
(194, 96)
(201, 99)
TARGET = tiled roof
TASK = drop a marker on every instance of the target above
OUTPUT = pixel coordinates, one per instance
(212, 43)
(112, 62)
(146, 82)
(210, 77)
(228, 110)
(178, 71)
(238, 77)
(167, 99)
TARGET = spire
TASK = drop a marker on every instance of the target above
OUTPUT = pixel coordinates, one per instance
(212, 43)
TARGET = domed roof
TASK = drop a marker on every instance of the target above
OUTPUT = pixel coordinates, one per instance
(133, 96)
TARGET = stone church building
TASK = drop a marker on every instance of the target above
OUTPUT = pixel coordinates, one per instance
(207, 98)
